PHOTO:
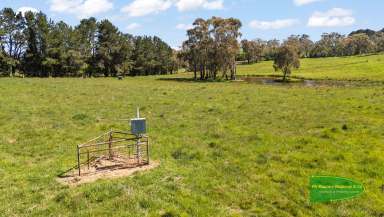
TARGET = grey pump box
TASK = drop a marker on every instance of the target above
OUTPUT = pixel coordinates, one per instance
(138, 126)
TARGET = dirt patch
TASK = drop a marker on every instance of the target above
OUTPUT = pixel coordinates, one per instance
(103, 168)
(11, 141)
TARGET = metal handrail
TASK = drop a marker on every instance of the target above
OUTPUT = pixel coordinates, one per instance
(92, 147)
(105, 143)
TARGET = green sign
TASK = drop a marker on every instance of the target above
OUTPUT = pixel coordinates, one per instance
(330, 188)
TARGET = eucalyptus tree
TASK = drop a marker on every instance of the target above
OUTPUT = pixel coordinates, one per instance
(259, 48)
(271, 48)
(302, 43)
(212, 47)
(253, 50)
(287, 58)
(189, 54)
(201, 42)
(306, 45)
(330, 45)
(225, 39)
(378, 40)
(362, 43)
(195, 48)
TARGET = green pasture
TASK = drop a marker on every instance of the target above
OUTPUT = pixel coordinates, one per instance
(226, 148)
(335, 68)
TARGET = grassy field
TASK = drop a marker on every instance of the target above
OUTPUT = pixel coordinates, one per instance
(339, 68)
(226, 148)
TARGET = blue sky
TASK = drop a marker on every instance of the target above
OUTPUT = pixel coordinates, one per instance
(264, 19)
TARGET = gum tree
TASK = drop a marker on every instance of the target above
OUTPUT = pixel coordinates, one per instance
(212, 47)
(287, 58)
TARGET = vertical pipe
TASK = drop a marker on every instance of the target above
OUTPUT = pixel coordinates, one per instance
(110, 145)
(129, 152)
(147, 150)
(138, 150)
(78, 159)
(88, 158)
(138, 112)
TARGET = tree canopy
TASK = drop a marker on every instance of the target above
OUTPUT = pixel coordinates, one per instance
(286, 59)
(212, 47)
(34, 45)
(330, 45)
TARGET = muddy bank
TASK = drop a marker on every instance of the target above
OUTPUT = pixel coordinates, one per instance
(277, 81)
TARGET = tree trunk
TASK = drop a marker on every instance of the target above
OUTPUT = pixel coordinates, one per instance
(233, 71)
(202, 77)
(11, 71)
(285, 75)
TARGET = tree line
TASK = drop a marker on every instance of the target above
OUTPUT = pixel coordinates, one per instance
(34, 45)
(213, 48)
(330, 45)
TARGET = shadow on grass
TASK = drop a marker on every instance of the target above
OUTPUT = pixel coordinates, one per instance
(192, 80)
(275, 78)
(258, 79)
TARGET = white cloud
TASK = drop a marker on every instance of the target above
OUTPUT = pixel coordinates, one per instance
(336, 17)
(186, 5)
(276, 24)
(183, 26)
(305, 2)
(133, 26)
(139, 8)
(82, 8)
(177, 48)
(144, 7)
(214, 5)
(64, 5)
(23, 10)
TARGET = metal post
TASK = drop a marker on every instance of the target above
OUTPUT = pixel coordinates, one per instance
(147, 150)
(129, 152)
(138, 155)
(88, 158)
(110, 145)
(78, 159)
(138, 112)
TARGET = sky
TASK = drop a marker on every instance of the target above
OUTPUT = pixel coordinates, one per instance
(169, 19)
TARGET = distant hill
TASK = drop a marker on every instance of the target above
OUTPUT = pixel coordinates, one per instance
(369, 32)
